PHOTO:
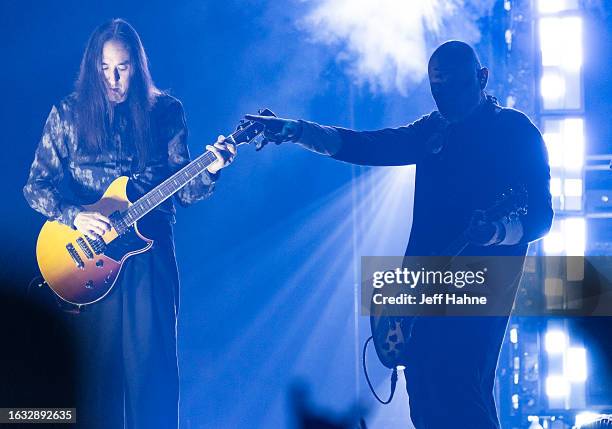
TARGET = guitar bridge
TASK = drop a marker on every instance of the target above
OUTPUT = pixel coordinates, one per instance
(75, 256)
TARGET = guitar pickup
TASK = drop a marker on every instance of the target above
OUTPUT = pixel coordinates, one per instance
(98, 245)
(85, 248)
(75, 256)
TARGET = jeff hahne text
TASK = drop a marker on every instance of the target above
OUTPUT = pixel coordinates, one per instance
(404, 277)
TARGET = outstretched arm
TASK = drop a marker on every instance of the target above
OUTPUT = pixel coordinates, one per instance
(390, 146)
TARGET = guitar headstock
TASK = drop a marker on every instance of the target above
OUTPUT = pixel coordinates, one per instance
(511, 203)
(248, 131)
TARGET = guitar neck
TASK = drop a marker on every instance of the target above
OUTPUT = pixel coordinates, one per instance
(246, 133)
(167, 188)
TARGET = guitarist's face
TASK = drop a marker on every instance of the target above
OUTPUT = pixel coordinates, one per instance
(117, 70)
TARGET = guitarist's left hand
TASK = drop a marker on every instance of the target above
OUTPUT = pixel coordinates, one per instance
(224, 152)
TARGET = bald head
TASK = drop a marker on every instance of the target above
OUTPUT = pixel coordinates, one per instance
(457, 79)
(455, 53)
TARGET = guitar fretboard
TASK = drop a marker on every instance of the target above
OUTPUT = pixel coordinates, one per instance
(167, 188)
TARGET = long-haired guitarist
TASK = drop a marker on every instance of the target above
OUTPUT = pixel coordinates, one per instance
(465, 153)
(117, 123)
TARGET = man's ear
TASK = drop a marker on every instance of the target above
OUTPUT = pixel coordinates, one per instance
(483, 77)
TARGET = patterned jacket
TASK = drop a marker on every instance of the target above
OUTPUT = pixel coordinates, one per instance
(65, 175)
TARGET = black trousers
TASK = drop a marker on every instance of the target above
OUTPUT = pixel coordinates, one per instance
(451, 373)
(127, 347)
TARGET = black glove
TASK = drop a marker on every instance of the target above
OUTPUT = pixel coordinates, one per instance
(278, 130)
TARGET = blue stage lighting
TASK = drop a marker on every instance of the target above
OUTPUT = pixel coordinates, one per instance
(552, 87)
(555, 6)
(575, 364)
(568, 236)
(557, 386)
(573, 143)
(514, 335)
(561, 42)
(572, 187)
(554, 243)
(555, 341)
(555, 187)
(575, 236)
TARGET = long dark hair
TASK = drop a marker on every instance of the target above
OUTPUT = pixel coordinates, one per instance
(94, 112)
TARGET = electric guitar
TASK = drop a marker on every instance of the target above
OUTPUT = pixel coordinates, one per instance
(391, 334)
(81, 270)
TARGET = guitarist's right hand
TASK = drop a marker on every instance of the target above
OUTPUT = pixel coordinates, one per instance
(92, 224)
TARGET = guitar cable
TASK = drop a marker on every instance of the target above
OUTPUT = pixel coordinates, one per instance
(365, 371)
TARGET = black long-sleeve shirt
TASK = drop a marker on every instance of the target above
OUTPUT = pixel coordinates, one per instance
(66, 175)
(460, 168)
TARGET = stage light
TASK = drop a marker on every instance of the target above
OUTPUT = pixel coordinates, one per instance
(514, 335)
(573, 143)
(555, 341)
(555, 6)
(554, 147)
(586, 417)
(555, 186)
(568, 237)
(572, 187)
(572, 58)
(515, 401)
(557, 386)
(565, 143)
(553, 243)
(575, 364)
(551, 37)
(552, 87)
(561, 42)
(575, 236)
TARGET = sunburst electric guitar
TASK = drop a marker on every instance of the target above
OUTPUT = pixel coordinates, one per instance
(81, 270)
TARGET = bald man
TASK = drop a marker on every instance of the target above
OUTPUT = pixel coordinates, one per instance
(466, 153)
